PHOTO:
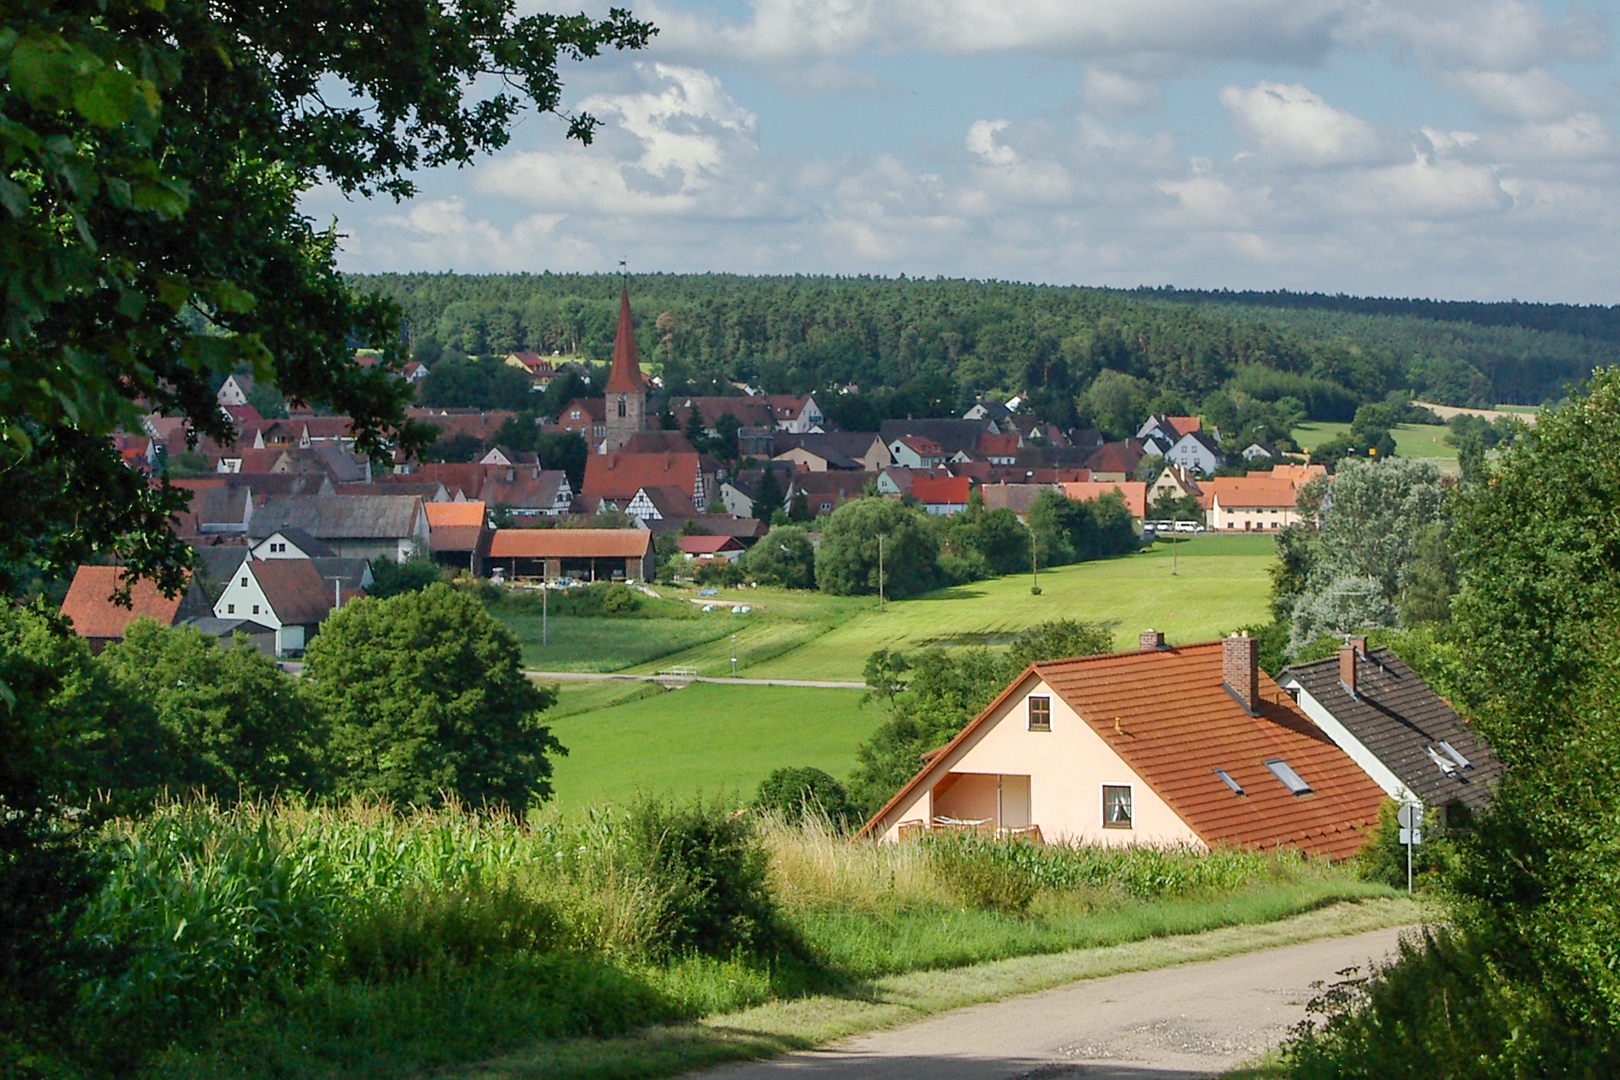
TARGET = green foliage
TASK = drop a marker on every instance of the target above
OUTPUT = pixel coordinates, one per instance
(784, 557)
(942, 691)
(231, 723)
(1067, 530)
(153, 170)
(483, 382)
(984, 543)
(721, 573)
(425, 700)
(983, 872)
(847, 561)
(600, 599)
(710, 869)
(390, 577)
(457, 448)
(806, 792)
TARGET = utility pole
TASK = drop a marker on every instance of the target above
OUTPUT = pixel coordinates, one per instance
(1034, 564)
(545, 604)
(733, 656)
(880, 571)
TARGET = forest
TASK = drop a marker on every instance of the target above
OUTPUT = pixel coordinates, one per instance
(949, 341)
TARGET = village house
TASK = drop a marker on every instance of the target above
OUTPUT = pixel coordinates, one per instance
(1258, 502)
(1164, 745)
(612, 480)
(796, 413)
(710, 548)
(354, 526)
(539, 369)
(916, 452)
(458, 533)
(738, 494)
(942, 495)
(821, 451)
(1133, 493)
(288, 595)
(1019, 498)
(1116, 461)
(1197, 452)
(96, 617)
(661, 503)
(1402, 734)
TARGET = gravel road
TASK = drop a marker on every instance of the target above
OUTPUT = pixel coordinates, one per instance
(1192, 1020)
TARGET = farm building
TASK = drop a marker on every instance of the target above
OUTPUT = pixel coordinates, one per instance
(582, 554)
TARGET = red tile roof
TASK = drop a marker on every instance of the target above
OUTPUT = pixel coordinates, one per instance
(941, 490)
(707, 545)
(1167, 714)
(620, 476)
(89, 603)
(1185, 425)
(296, 591)
(569, 543)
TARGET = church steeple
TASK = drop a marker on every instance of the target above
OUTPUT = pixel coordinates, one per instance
(625, 378)
(626, 388)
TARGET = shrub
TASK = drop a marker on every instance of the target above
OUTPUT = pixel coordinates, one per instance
(719, 572)
(798, 793)
(711, 870)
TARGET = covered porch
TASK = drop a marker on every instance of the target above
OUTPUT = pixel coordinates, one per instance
(993, 804)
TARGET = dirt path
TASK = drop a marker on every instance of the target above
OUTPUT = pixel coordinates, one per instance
(592, 676)
(1446, 412)
(1175, 1023)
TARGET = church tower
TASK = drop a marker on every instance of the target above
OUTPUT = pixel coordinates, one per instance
(626, 389)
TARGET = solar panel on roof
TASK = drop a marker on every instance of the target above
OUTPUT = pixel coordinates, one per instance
(1455, 755)
(1290, 779)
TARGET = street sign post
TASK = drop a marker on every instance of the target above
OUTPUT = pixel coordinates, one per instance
(1410, 816)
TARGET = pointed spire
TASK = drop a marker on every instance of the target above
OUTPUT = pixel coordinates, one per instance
(625, 377)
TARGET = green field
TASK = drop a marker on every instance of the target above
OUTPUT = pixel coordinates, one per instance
(1411, 440)
(1219, 584)
(577, 643)
(706, 738)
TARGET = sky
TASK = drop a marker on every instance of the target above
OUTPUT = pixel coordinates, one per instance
(1454, 149)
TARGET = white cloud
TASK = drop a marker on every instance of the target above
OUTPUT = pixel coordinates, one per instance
(1295, 126)
(1112, 94)
(1582, 137)
(1516, 95)
(981, 140)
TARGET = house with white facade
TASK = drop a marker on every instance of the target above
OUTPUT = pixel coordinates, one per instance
(287, 595)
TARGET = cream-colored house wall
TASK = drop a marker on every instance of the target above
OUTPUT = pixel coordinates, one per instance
(803, 458)
(1067, 768)
(1251, 518)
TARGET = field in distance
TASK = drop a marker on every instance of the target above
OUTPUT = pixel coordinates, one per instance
(707, 738)
(1214, 585)
(1411, 440)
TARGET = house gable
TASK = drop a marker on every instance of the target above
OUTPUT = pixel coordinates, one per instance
(1066, 769)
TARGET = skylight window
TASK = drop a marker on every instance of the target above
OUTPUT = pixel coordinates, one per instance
(1290, 779)
(1226, 778)
(1455, 755)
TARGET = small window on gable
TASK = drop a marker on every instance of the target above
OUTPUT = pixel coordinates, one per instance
(1290, 779)
(244, 583)
(1040, 714)
(230, 609)
(1226, 778)
(255, 609)
(1116, 806)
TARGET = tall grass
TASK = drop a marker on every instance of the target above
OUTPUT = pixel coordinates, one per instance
(285, 940)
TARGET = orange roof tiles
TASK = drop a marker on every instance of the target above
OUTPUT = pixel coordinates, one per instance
(1256, 489)
(569, 543)
(1134, 492)
(94, 615)
(443, 514)
(941, 490)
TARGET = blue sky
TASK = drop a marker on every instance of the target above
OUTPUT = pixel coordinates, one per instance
(1461, 149)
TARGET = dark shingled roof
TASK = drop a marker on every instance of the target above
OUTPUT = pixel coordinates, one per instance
(294, 588)
(339, 517)
(1398, 717)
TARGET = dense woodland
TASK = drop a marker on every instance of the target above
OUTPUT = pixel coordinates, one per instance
(946, 341)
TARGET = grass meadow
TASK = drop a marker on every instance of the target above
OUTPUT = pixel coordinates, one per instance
(1411, 440)
(586, 643)
(354, 942)
(708, 739)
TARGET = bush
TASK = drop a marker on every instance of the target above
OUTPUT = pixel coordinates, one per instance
(806, 792)
(710, 869)
(719, 572)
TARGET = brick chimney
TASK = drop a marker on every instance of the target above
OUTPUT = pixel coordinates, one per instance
(1150, 639)
(1352, 649)
(1240, 670)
